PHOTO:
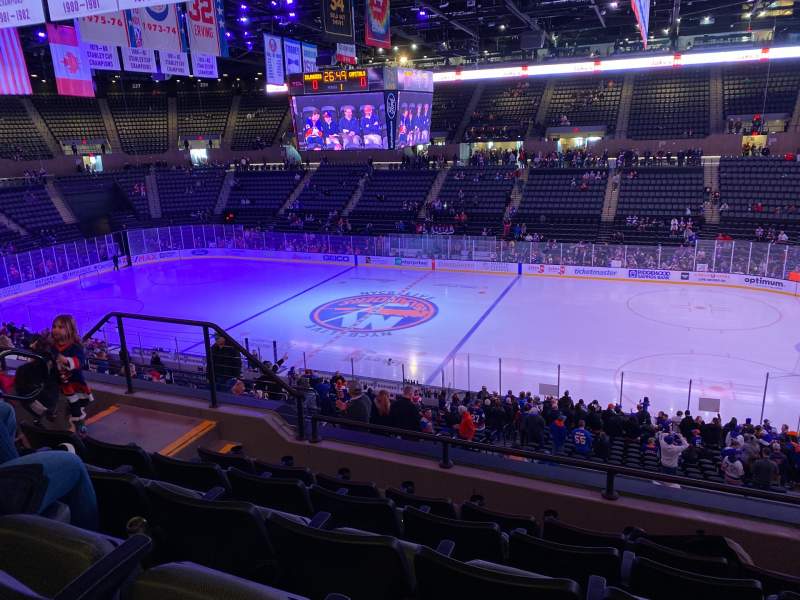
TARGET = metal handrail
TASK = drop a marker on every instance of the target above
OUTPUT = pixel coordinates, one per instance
(24, 354)
(207, 327)
(611, 471)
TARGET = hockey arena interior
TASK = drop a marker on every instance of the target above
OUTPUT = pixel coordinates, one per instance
(399, 299)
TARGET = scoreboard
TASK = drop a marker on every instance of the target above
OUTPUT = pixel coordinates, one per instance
(336, 82)
(369, 79)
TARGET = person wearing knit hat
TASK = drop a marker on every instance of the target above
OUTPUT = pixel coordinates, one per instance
(558, 433)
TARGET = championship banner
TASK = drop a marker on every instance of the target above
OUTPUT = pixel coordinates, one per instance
(204, 66)
(17, 13)
(346, 53)
(111, 28)
(376, 24)
(156, 27)
(101, 57)
(14, 80)
(309, 57)
(139, 60)
(174, 63)
(292, 53)
(273, 57)
(71, 67)
(62, 10)
(337, 19)
(205, 23)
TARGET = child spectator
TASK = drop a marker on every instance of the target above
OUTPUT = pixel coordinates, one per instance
(71, 360)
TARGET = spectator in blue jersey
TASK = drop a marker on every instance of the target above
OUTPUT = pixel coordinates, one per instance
(349, 128)
(558, 433)
(330, 131)
(582, 440)
(370, 127)
(425, 133)
(312, 132)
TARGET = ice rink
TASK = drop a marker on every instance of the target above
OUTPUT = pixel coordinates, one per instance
(466, 330)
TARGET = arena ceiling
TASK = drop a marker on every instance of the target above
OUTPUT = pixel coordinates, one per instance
(440, 33)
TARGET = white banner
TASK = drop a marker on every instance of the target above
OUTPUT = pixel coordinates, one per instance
(157, 27)
(346, 53)
(62, 10)
(174, 63)
(273, 57)
(204, 66)
(101, 56)
(292, 52)
(205, 27)
(309, 58)
(140, 60)
(16, 13)
(111, 28)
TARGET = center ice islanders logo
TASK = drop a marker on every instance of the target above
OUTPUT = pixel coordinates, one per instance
(374, 313)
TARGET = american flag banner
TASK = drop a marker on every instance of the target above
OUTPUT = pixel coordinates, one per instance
(14, 80)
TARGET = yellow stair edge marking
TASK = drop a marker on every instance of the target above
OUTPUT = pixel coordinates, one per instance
(227, 448)
(187, 438)
(102, 414)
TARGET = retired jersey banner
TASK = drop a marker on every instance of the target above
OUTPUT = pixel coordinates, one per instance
(309, 58)
(273, 57)
(61, 10)
(139, 60)
(376, 24)
(205, 22)
(156, 27)
(293, 53)
(14, 80)
(101, 57)
(71, 67)
(337, 19)
(174, 63)
(204, 66)
(131, 4)
(111, 28)
(16, 13)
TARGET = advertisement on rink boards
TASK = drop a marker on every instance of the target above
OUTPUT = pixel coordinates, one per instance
(396, 261)
(476, 266)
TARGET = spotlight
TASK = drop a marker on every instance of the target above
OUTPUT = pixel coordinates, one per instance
(413, 46)
(41, 34)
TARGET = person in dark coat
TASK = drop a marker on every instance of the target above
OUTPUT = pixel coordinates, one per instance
(533, 427)
(359, 407)
(227, 362)
(403, 413)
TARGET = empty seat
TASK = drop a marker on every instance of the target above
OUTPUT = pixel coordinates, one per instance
(112, 456)
(195, 476)
(558, 531)
(507, 522)
(377, 515)
(120, 497)
(302, 474)
(288, 495)
(472, 540)
(714, 566)
(226, 461)
(437, 506)
(225, 535)
(189, 581)
(39, 437)
(703, 545)
(660, 582)
(49, 558)
(439, 576)
(354, 488)
(316, 562)
(560, 560)
(771, 581)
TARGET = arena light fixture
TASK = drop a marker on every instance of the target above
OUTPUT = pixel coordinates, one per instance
(664, 61)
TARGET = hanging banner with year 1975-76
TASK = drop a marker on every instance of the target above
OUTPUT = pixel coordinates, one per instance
(205, 23)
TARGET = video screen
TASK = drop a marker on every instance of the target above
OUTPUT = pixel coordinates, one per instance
(413, 119)
(340, 121)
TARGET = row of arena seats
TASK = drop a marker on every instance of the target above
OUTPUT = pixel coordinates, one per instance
(277, 524)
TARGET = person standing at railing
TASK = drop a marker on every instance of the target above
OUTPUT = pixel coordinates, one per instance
(227, 363)
(71, 361)
(670, 446)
